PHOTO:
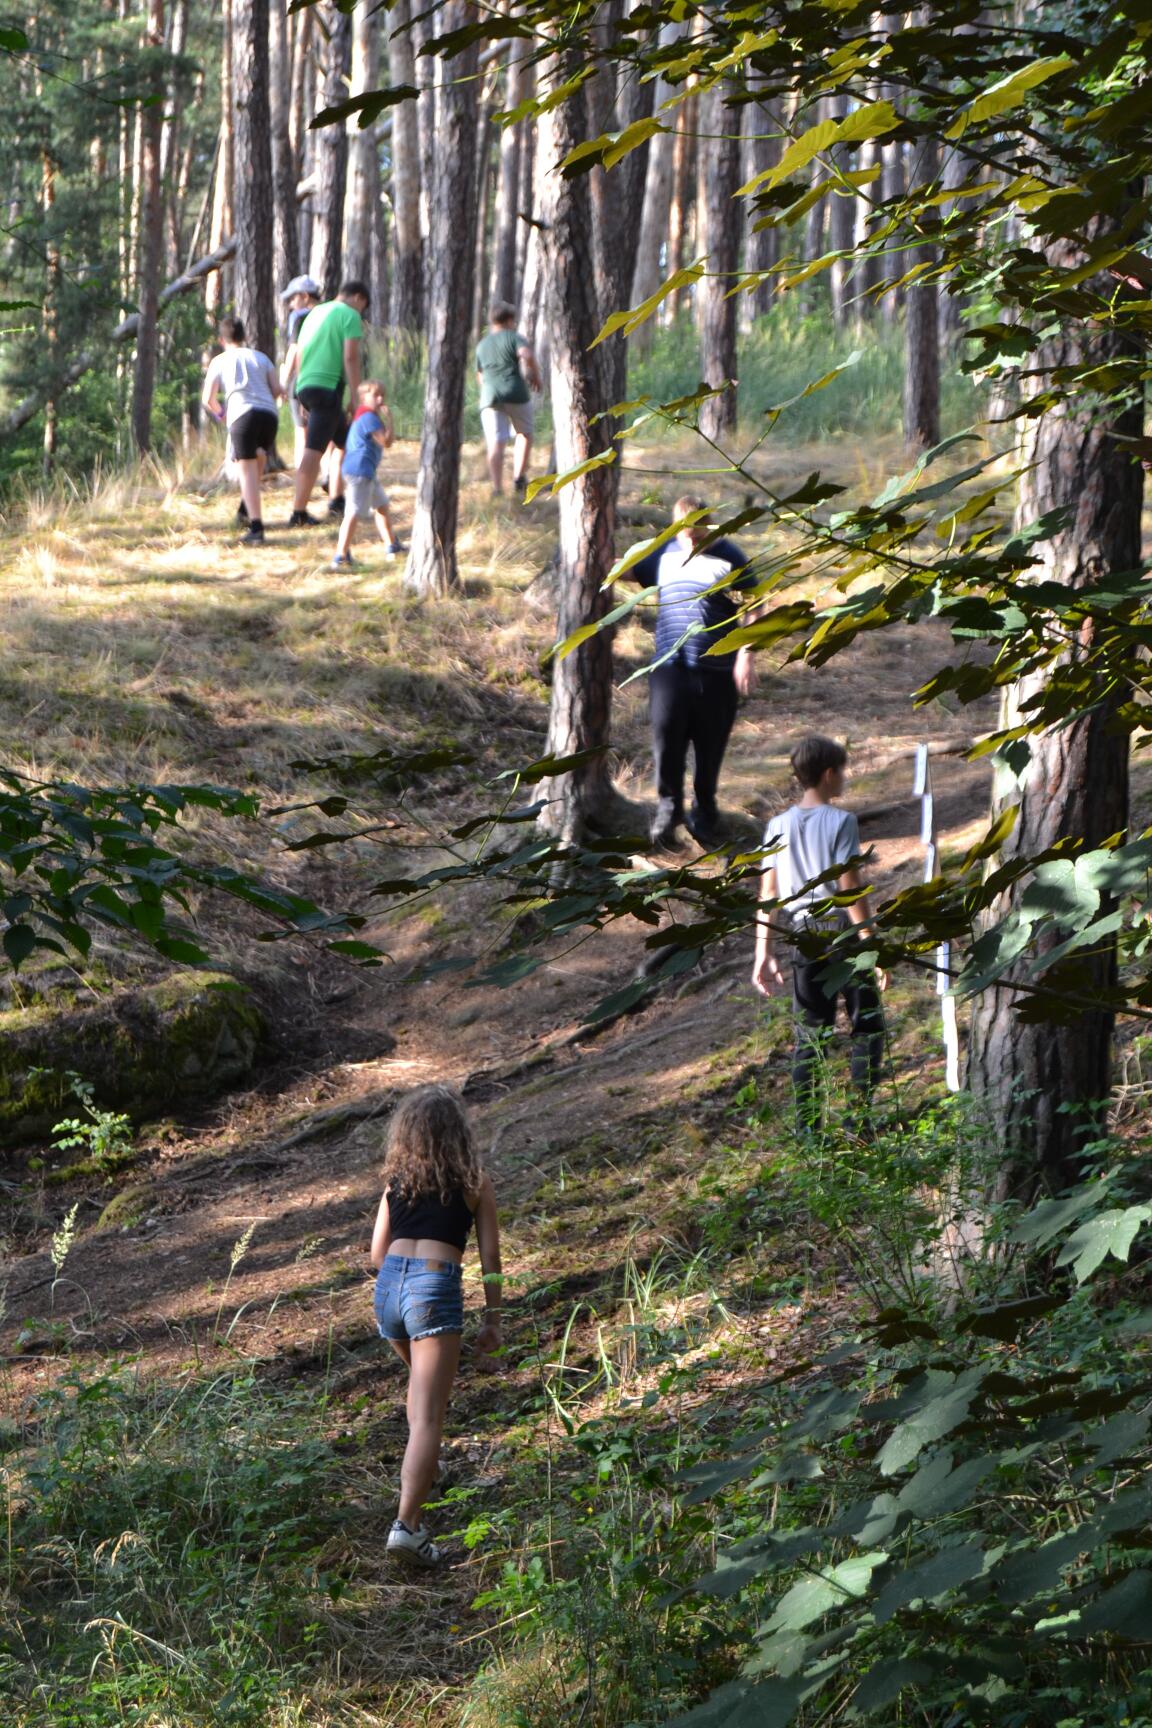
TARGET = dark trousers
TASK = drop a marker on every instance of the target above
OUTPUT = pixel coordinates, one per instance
(689, 705)
(814, 1008)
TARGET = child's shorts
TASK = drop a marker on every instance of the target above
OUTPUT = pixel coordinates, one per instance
(364, 494)
(414, 1301)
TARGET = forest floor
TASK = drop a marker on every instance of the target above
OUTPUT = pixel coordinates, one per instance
(142, 643)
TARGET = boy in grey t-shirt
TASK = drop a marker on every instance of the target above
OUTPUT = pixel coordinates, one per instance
(811, 840)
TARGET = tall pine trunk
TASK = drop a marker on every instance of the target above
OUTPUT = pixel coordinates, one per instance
(222, 223)
(761, 152)
(680, 208)
(286, 238)
(1040, 1080)
(408, 246)
(504, 284)
(431, 567)
(151, 242)
(615, 102)
(581, 711)
(922, 333)
(719, 216)
(362, 193)
(330, 151)
(254, 295)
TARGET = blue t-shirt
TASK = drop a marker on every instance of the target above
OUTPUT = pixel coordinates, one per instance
(361, 453)
(682, 580)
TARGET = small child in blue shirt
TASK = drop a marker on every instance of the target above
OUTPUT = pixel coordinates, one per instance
(369, 435)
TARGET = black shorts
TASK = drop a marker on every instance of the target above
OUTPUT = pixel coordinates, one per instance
(327, 422)
(253, 432)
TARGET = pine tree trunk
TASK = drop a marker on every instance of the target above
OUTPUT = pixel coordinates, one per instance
(761, 152)
(255, 298)
(504, 283)
(615, 102)
(1040, 1082)
(222, 224)
(286, 240)
(581, 709)
(921, 333)
(483, 193)
(527, 182)
(431, 567)
(892, 265)
(408, 247)
(362, 194)
(151, 247)
(170, 136)
(679, 210)
(423, 29)
(330, 151)
(718, 237)
(648, 273)
(841, 236)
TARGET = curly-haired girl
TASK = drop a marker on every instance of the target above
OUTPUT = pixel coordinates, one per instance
(434, 1189)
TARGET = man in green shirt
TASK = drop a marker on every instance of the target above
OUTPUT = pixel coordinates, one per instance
(330, 357)
(505, 367)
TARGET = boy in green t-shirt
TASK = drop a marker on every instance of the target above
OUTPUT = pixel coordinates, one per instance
(505, 367)
(330, 357)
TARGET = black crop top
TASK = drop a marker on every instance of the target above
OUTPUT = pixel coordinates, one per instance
(426, 1215)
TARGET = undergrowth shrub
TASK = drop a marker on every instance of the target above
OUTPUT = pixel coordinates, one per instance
(944, 1519)
(164, 1554)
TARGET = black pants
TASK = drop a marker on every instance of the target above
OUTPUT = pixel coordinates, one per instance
(814, 1008)
(689, 705)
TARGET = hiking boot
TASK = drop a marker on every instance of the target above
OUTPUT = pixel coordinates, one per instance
(664, 826)
(705, 833)
(336, 508)
(254, 536)
(343, 561)
(413, 1547)
(301, 519)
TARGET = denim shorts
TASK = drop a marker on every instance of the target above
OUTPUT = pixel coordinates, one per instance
(413, 1302)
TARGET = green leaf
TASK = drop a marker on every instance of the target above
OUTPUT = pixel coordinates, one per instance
(1008, 1319)
(19, 941)
(369, 106)
(933, 1578)
(885, 1681)
(13, 41)
(548, 767)
(814, 1596)
(1119, 1437)
(1112, 1232)
(556, 481)
(1007, 93)
(873, 120)
(632, 319)
(610, 147)
(932, 1423)
(1045, 1222)
(1125, 1610)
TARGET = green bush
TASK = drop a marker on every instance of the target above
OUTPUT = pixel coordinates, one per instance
(164, 1555)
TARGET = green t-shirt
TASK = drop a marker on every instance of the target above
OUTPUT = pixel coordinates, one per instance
(322, 338)
(501, 379)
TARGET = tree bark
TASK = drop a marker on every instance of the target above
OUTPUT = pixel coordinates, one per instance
(679, 211)
(891, 265)
(718, 237)
(483, 193)
(648, 274)
(408, 246)
(761, 152)
(431, 567)
(1041, 1082)
(504, 283)
(615, 102)
(254, 294)
(922, 335)
(286, 237)
(223, 222)
(362, 194)
(581, 712)
(151, 245)
(330, 150)
(841, 236)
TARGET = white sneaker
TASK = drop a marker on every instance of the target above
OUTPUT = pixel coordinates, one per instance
(414, 1547)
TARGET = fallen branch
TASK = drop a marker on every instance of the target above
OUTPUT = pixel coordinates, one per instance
(192, 277)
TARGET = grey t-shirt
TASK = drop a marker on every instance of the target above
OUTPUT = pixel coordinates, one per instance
(246, 376)
(811, 839)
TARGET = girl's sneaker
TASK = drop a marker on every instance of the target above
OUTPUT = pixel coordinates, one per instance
(396, 548)
(343, 561)
(413, 1547)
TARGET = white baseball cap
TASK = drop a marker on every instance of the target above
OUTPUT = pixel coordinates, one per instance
(300, 285)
